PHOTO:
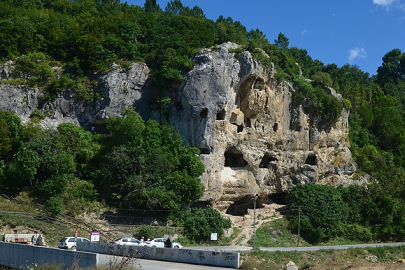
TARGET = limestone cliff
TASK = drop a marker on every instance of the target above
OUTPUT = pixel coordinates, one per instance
(252, 137)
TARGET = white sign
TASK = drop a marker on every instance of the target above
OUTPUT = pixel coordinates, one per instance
(95, 237)
(214, 236)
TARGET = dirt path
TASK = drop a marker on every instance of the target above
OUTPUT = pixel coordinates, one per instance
(245, 223)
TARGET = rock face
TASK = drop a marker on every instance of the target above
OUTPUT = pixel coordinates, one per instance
(252, 137)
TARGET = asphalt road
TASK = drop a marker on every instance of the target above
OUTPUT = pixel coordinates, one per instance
(274, 249)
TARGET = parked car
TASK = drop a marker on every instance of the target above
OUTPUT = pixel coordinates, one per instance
(160, 243)
(70, 242)
(126, 241)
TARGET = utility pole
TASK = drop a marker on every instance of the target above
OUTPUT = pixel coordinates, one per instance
(299, 223)
(254, 198)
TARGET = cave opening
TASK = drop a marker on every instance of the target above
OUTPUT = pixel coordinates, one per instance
(221, 115)
(275, 127)
(204, 151)
(248, 123)
(240, 207)
(234, 158)
(267, 158)
(239, 129)
(278, 198)
(311, 160)
(204, 113)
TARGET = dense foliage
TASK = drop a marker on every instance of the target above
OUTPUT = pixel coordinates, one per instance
(200, 223)
(321, 211)
(59, 44)
(139, 166)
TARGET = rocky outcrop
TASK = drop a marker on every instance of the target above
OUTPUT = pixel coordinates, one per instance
(253, 138)
(118, 90)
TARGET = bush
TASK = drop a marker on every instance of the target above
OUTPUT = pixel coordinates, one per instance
(356, 232)
(146, 232)
(54, 206)
(199, 223)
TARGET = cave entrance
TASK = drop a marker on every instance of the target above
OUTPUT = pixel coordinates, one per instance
(278, 198)
(204, 113)
(204, 151)
(267, 158)
(311, 160)
(234, 158)
(221, 114)
(240, 207)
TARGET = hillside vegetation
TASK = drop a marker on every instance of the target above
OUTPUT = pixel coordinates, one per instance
(144, 165)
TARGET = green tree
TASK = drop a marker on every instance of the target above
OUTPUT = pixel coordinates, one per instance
(200, 223)
(282, 42)
(322, 211)
(149, 166)
(151, 6)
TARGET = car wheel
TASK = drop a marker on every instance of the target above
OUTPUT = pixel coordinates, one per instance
(176, 246)
(73, 248)
(153, 246)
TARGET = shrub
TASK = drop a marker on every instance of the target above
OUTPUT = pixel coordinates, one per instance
(54, 206)
(146, 232)
(356, 232)
(199, 223)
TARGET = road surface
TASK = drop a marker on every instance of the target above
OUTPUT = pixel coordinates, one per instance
(274, 249)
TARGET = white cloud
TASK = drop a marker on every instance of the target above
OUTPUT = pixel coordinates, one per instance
(357, 53)
(304, 32)
(384, 3)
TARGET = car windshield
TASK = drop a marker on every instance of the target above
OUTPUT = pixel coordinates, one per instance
(63, 239)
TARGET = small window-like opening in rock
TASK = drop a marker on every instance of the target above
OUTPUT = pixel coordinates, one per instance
(278, 198)
(204, 151)
(248, 123)
(240, 128)
(275, 127)
(221, 115)
(267, 158)
(258, 84)
(204, 113)
(234, 158)
(311, 160)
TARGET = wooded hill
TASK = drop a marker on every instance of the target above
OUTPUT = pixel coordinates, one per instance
(74, 167)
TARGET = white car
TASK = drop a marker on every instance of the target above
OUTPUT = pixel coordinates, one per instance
(126, 241)
(70, 242)
(160, 243)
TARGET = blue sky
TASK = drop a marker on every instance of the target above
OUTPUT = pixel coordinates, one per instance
(357, 32)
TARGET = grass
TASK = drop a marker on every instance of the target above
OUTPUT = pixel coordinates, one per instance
(227, 241)
(11, 215)
(326, 259)
(277, 234)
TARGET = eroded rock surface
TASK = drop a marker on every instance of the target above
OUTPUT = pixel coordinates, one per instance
(252, 137)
